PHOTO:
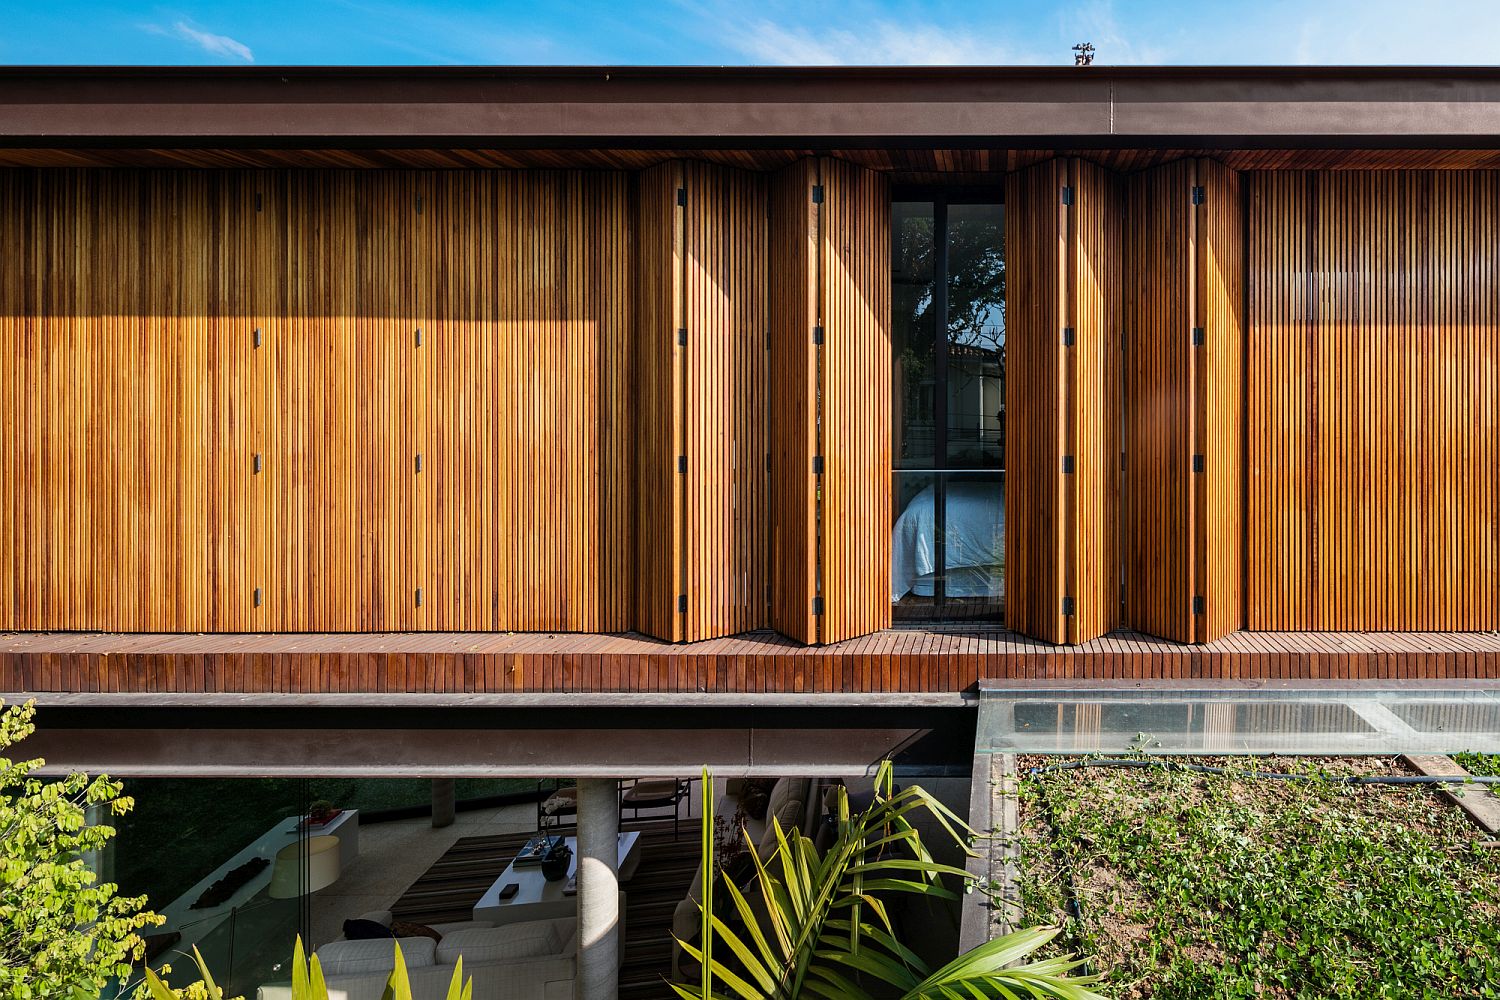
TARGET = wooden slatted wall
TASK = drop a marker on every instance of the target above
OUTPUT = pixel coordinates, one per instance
(1181, 401)
(1372, 411)
(1092, 414)
(1062, 401)
(660, 489)
(1036, 255)
(855, 299)
(794, 507)
(830, 271)
(703, 369)
(141, 399)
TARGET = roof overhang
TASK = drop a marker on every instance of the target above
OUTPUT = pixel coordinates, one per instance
(685, 107)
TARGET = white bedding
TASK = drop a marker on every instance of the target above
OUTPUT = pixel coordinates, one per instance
(976, 543)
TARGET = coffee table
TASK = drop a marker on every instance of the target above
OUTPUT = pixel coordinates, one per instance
(538, 899)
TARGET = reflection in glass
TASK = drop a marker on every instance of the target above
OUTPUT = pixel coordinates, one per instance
(976, 337)
(948, 540)
(913, 344)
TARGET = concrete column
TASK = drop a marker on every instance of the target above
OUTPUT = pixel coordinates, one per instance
(444, 802)
(598, 890)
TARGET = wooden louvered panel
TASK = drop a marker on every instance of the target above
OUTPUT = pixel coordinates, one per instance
(1036, 255)
(140, 401)
(855, 282)
(1091, 558)
(1219, 297)
(1062, 271)
(660, 314)
(1375, 303)
(1181, 401)
(793, 284)
(725, 409)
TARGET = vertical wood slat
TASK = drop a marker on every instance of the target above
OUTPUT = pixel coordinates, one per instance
(793, 264)
(147, 400)
(702, 366)
(830, 531)
(1036, 249)
(1062, 271)
(1374, 304)
(1182, 401)
(855, 302)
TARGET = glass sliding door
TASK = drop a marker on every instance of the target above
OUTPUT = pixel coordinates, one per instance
(948, 333)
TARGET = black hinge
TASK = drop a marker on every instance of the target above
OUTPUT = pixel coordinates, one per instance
(682, 336)
(1122, 461)
(1199, 195)
(682, 200)
(817, 605)
(768, 463)
(255, 338)
(1198, 336)
(817, 465)
(1068, 607)
(255, 464)
(418, 463)
(419, 204)
(1067, 465)
(255, 598)
(1068, 336)
(1198, 605)
(419, 597)
(681, 463)
(817, 335)
(817, 194)
(682, 604)
(257, 201)
(1197, 463)
(419, 336)
(1067, 195)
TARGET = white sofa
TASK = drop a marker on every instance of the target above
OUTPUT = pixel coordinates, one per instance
(521, 961)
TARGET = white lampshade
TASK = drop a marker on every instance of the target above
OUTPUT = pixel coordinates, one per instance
(322, 867)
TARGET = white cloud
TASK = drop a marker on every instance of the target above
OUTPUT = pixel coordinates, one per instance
(877, 43)
(216, 45)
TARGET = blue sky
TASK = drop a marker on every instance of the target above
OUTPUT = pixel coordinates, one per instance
(766, 32)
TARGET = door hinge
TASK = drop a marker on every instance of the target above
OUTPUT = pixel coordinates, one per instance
(1197, 463)
(682, 463)
(682, 197)
(817, 194)
(419, 336)
(255, 338)
(682, 336)
(255, 597)
(818, 334)
(817, 465)
(419, 463)
(817, 605)
(1067, 607)
(257, 201)
(1067, 464)
(1068, 336)
(419, 597)
(1198, 605)
(1198, 336)
(419, 204)
(1199, 195)
(1067, 195)
(255, 464)
(682, 604)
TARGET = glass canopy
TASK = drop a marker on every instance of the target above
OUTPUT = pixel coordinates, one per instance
(1283, 719)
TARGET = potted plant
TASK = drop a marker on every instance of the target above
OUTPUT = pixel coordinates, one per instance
(556, 861)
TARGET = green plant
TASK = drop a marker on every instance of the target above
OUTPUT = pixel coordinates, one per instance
(62, 932)
(1185, 886)
(823, 923)
(307, 981)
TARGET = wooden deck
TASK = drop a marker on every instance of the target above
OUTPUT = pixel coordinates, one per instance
(898, 660)
(451, 887)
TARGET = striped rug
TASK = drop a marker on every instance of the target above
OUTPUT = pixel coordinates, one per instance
(451, 887)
